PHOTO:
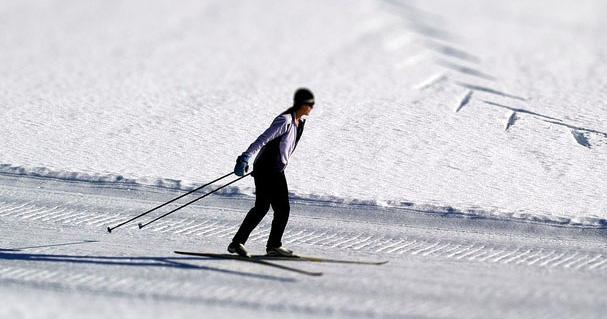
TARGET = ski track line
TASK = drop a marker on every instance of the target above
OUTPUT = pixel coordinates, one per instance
(410, 248)
(541, 258)
(575, 261)
(178, 225)
(45, 217)
(310, 241)
(39, 277)
(600, 259)
(425, 248)
(482, 253)
(334, 239)
(261, 234)
(477, 252)
(532, 254)
(196, 229)
(389, 244)
(330, 239)
(26, 212)
(436, 250)
(363, 243)
(472, 252)
(289, 235)
(109, 220)
(54, 217)
(457, 252)
(10, 210)
(76, 219)
(69, 218)
(512, 255)
(3, 204)
(379, 243)
(182, 228)
(545, 263)
(582, 259)
(73, 217)
(597, 257)
(391, 250)
(492, 254)
(159, 226)
(563, 260)
(300, 235)
(31, 216)
(224, 231)
(229, 232)
(507, 254)
(517, 256)
(190, 229)
(41, 215)
(320, 241)
(203, 229)
(105, 219)
(347, 240)
(303, 238)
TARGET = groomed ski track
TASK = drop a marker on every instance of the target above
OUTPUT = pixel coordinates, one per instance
(55, 251)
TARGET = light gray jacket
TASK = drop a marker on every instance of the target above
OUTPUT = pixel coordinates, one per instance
(276, 144)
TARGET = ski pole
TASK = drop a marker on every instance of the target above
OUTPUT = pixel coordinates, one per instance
(109, 229)
(192, 201)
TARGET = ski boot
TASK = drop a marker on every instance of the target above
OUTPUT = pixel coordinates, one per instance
(279, 252)
(238, 248)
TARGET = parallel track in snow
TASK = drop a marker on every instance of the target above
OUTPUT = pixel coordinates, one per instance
(371, 241)
(54, 239)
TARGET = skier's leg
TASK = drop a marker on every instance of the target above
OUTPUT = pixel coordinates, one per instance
(257, 213)
(281, 208)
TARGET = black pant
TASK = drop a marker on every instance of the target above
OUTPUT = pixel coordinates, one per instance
(270, 189)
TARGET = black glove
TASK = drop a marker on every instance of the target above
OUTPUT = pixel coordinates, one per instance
(242, 165)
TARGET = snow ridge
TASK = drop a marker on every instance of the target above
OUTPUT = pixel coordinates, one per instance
(120, 181)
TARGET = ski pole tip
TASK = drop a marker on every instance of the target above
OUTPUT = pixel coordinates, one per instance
(109, 230)
(140, 225)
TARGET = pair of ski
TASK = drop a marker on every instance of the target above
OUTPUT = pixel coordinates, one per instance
(266, 260)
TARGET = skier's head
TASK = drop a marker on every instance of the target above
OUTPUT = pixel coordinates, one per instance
(303, 96)
(303, 102)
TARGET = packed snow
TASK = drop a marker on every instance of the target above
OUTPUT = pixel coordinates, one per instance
(99, 90)
(469, 116)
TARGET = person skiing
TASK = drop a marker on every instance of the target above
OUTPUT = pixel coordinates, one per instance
(275, 145)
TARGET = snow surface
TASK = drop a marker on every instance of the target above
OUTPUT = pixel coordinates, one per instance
(415, 101)
(464, 141)
(57, 260)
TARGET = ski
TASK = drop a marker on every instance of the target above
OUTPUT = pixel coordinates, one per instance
(251, 260)
(319, 259)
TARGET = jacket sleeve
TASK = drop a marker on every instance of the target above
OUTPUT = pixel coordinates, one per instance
(279, 126)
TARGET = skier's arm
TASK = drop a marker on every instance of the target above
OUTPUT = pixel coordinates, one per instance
(278, 127)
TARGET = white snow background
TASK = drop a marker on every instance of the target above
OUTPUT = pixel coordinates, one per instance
(482, 107)
(464, 142)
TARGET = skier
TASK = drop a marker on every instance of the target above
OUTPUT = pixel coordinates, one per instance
(275, 146)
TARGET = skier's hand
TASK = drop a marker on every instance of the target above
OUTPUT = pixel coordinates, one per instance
(242, 165)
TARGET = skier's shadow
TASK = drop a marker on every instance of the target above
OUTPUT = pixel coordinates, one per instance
(160, 262)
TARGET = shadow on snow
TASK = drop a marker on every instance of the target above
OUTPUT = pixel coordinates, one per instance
(160, 262)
